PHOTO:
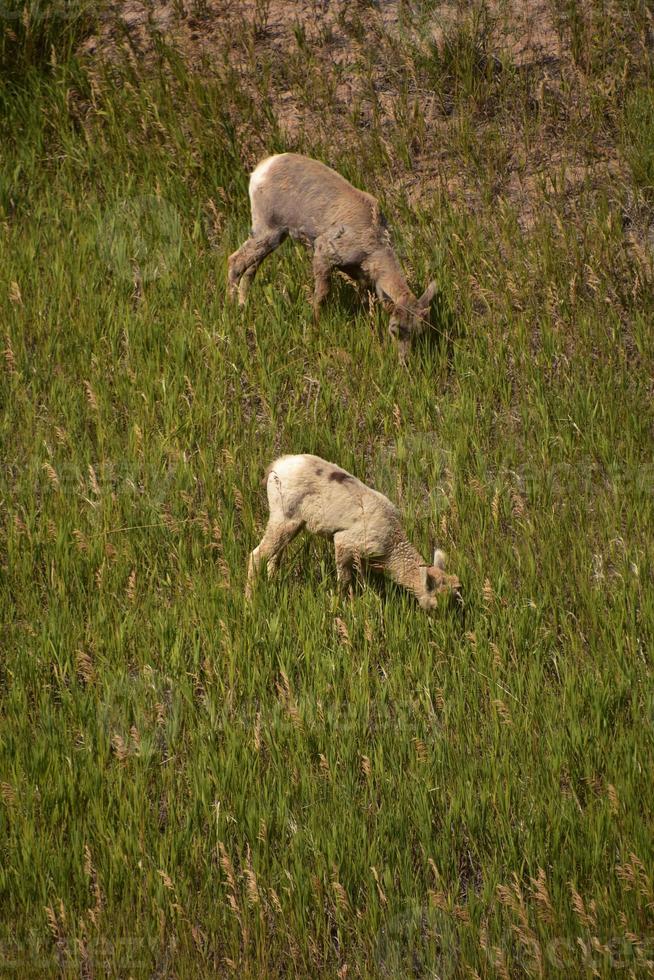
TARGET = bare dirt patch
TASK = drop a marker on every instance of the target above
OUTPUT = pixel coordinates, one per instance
(335, 73)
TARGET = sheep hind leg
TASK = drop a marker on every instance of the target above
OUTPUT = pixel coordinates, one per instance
(242, 264)
(275, 539)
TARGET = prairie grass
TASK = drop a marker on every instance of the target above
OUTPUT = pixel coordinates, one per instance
(318, 786)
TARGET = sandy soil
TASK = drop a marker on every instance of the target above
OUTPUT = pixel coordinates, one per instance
(230, 36)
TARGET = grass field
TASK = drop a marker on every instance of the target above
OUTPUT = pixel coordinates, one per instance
(312, 785)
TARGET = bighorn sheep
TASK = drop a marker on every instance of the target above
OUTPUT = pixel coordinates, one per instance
(307, 492)
(294, 195)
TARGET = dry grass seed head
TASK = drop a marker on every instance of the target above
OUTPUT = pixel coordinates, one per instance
(380, 890)
(81, 542)
(131, 586)
(19, 524)
(10, 359)
(53, 924)
(257, 732)
(52, 475)
(342, 901)
(545, 911)
(119, 746)
(342, 630)
(585, 919)
(488, 593)
(274, 899)
(227, 866)
(614, 801)
(88, 862)
(8, 793)
(85, 668)
(167, 880)
(502, 711)
(251, 887)
(93, 480)
(90, 396)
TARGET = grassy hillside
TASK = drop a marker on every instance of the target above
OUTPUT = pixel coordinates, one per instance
(190, 786)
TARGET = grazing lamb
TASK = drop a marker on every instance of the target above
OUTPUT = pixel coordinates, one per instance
(306, 492)
(294, 195)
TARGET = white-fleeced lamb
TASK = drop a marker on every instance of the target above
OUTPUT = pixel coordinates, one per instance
(308, 493)
(294, 195)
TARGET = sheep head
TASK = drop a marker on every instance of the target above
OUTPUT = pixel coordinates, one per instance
(437, 581)
(409, 319)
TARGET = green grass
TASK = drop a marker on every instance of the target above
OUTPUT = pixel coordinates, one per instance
(194, 787)
(40, 34)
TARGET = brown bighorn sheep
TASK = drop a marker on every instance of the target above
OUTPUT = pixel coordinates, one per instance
(307, 492)
(294, 195)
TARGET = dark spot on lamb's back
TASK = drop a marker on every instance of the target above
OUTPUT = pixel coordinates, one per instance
(339, 476)
(318, 470)
(292, 506)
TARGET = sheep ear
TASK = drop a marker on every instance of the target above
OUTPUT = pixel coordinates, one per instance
(426, 299)
(440, 558)
(385, 300)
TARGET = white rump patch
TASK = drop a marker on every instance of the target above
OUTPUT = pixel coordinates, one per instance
(440, 559)
(258, 175)
(286, 468)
